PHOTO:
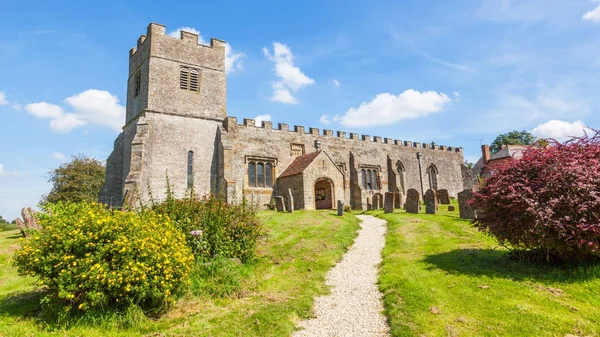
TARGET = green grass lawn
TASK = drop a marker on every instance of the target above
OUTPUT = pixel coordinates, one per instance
(442, 261)
(276, 291)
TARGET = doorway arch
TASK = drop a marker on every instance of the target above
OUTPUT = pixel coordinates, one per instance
(323, 193)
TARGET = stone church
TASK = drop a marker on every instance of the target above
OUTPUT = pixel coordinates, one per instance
(177, 127)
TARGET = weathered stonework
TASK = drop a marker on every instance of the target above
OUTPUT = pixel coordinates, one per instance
(165, 123)
(389, 202)
(443, 197)
(465, 210)
(412, 201)
(431, 203)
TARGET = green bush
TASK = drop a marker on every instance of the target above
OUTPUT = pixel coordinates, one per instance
(214, 228)
(89, 257)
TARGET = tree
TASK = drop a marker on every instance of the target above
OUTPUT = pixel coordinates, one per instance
(469, 164)
(76, 181)
(546, 201)
(2, 219)
(512, 138)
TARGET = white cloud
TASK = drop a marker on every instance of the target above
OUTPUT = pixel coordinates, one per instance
(560, 130)
(177, 33)
(233, 61)
(335, 83)
(290, 76)
(58, 155)
(92, 106)
(7, 173)
(324, 120)
(386, 108)
(593, 15)
(260, 118)
(3, 100)
(283, 95)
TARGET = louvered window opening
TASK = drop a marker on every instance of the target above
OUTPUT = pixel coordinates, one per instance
(189, 79)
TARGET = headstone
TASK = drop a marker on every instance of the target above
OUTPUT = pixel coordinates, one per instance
(279, 203)
(389, 203)
(381, 201)
(443, 197)
(412, 201)
(290, 203)
(369, 206)
(398, 200)
(430, 201)
(451, 208)
(340, 207)
(469, 178)
(465, 210)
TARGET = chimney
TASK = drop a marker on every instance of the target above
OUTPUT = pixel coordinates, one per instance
(485, 153)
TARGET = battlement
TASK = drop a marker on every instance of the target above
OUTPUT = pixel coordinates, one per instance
(231, 124)
(158, 30)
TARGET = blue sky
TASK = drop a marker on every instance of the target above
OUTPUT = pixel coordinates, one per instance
(451, 72)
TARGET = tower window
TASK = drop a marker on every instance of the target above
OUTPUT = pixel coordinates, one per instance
(137, 84)
(190, 169)
(189, 79)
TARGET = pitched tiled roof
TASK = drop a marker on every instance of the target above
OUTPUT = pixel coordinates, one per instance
(299, 164)
(515, 151)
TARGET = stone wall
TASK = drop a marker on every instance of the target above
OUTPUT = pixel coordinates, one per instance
(248, 140)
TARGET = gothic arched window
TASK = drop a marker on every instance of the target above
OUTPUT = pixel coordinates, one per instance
(401, 170)
(432, 172)
(190, 169)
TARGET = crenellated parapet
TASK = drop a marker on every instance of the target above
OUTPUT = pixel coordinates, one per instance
(231, 124)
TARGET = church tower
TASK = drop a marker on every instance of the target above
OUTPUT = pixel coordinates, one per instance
(176, 102)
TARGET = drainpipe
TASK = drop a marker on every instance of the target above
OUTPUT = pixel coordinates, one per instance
(419, 155)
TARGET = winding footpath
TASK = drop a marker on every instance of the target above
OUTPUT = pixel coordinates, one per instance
(354, 307)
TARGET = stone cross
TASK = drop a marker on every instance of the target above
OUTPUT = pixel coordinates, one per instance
(340, 208)
(389, 202)
(465, 210)
(430, 201)
(443, 197)
(412, 201)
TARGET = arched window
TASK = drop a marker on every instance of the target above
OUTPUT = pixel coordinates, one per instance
(260, 174)
(190, 169)
(184, 78)
(374, 182)
(252, 174)
(432, 172)
(364, 179)
(269, 175)
(401, 170)
(194, 80)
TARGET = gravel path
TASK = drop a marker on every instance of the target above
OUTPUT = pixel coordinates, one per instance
(354, 306)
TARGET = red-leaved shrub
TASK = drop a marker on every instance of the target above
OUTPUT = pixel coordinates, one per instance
(549, 200)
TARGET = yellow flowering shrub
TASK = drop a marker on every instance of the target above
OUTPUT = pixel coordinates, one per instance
(91, 257)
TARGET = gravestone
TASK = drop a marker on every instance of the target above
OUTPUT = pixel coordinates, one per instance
(398, 200)
(290, 202)
(430, 199)
(388, 206)
(465, 210)
(279, 203)
(412, 201)
(340, 207)
(369, 206)
(451, 208)
(443, 197)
